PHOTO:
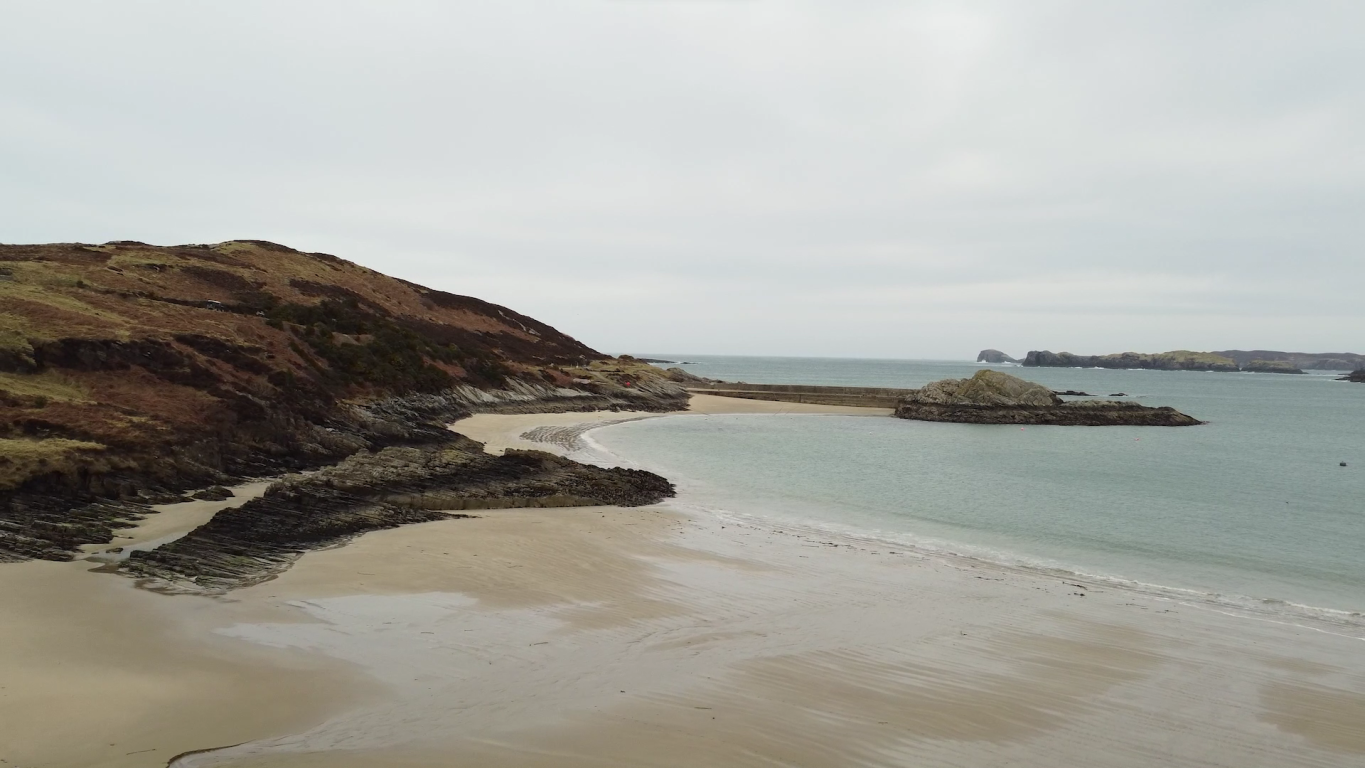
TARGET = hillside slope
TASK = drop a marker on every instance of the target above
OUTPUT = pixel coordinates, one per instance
(129, 373)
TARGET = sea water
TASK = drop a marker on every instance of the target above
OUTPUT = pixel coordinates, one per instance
(1252, 509)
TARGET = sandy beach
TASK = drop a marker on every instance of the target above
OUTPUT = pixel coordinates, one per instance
(654, 637)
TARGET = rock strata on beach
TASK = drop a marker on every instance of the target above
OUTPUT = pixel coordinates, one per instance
(991, 397)
(371, 491)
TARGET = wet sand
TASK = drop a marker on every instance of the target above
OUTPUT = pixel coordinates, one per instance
(654, 637)
(608, 637)
(95, 672)
(499, 432)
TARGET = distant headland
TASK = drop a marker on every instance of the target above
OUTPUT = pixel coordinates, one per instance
(1233, 360)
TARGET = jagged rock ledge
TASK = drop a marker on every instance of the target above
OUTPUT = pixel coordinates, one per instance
(371, 491)
(991, 397)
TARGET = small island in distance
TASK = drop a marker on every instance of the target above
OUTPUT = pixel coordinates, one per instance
(992, 397)
(1235, 360)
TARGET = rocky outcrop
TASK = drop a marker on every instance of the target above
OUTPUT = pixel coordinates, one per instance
(994, 356)
(991, 397)
(679, 376)
(1356, 376)
(371, 491)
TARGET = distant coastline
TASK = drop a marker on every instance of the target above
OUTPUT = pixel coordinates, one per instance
(1234, 360)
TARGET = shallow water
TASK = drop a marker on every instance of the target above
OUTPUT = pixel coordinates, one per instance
(1252, 508)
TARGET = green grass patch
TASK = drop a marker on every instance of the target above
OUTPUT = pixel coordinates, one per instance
(23, 458)
(49, 384)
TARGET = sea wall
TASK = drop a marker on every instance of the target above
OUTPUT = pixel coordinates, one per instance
(865, 397)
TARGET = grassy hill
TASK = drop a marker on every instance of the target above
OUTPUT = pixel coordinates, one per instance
(130, 371)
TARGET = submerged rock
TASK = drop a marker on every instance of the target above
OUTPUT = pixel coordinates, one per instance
(992, 397)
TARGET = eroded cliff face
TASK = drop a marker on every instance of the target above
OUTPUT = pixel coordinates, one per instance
(992, 397)
(130, 373)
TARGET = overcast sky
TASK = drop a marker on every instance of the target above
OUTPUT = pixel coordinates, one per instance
(876, 179)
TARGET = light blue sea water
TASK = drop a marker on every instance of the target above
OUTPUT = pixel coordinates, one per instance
(1252, 509)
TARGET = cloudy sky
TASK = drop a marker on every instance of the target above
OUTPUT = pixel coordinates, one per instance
(879, 179)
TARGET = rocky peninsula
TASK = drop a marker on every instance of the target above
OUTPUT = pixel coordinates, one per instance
(992, 397)
(131, 374)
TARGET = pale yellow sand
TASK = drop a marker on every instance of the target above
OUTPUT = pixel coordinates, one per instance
(499, 432)
(94, 672)
(648, 637)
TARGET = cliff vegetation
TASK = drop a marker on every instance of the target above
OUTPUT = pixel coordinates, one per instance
(130, 373)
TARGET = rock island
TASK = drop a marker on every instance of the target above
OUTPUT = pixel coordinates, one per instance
(992, 397)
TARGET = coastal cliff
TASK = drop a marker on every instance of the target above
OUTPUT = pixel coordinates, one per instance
(131, 373)
(991, 397)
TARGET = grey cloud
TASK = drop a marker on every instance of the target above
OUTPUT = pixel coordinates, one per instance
(882, 179)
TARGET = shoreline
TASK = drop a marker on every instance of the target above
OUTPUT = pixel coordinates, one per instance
(1247, 606)
(658, 636)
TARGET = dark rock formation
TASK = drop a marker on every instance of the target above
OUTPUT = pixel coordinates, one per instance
(991, 397)
(216, 493)
(1356, 376)
(371, 491)
(1072, 393)
(994, 356)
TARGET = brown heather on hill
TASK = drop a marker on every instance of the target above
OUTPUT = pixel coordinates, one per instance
(130, 372)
